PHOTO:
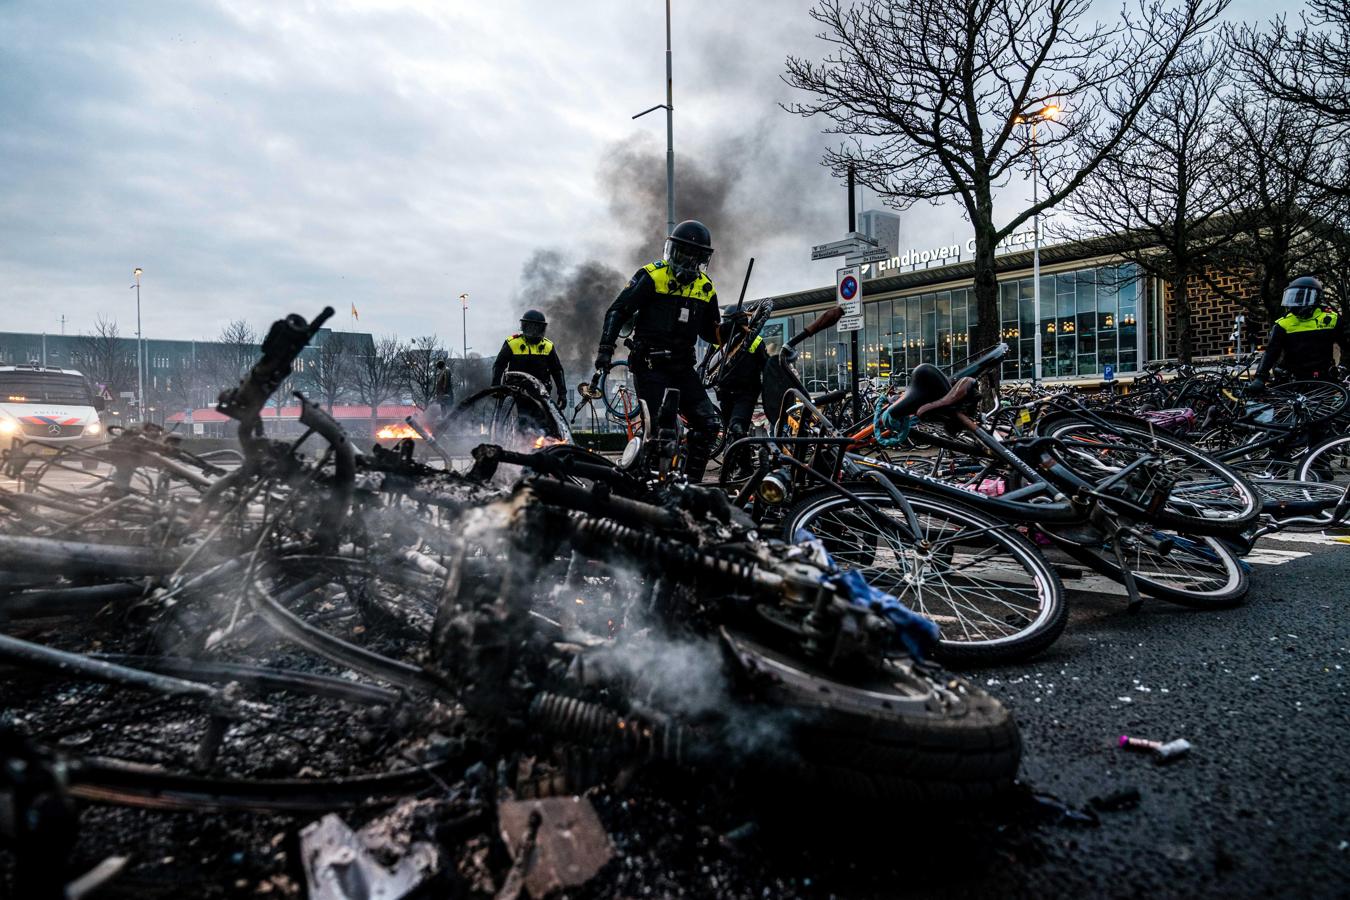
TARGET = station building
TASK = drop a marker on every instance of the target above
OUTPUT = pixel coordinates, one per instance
(1096, 311)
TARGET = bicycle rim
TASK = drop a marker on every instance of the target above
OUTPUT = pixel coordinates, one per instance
(1201, 572)
(990, 590)
(1328, 462)
(1206, 497)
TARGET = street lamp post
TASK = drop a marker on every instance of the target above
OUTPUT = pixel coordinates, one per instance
(140, 349)
(1045, 113)
(669, 107)
(464, 335)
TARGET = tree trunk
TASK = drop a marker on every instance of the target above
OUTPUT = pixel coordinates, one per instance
(989, 327)
(1181, 303)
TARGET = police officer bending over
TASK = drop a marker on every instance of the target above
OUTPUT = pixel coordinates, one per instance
(672, 303)
(739, 390)
(532, 353)
(1302, 340)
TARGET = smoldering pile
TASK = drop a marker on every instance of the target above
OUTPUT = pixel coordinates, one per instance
(212, 691)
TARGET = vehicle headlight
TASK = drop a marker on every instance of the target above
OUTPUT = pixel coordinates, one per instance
(8, 426)
(93, 428)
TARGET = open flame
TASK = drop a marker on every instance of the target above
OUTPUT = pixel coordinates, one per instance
(396, 432)
(546, 441)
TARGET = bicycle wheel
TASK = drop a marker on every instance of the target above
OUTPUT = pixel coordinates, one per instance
(1299, 403)
(909, 733)
(993, 594)
(1199, 572)
(1329, 461)
(1205, 497)
(619, 389)
(1286, 497)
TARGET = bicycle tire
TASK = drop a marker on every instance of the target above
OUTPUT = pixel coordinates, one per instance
(1028, 630)
(1202, 550)
(910, 734)
(617, 410)
(1283, 497)
(1325, 400)
(1225, 502)
(1329, 461)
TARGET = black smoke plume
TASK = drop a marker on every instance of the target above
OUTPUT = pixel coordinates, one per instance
(748, 192)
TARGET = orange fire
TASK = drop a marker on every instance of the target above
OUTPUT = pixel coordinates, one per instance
(546, 441)
(396, 431)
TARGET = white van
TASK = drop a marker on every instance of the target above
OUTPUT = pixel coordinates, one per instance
(44, 408)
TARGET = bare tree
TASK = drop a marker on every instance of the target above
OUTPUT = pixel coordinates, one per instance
(333, 368)
(927, 94)
(1288, 219)
(376, 375)
(1163, 197)
(1307, 67)
(230, 355)
(105, 357)
(418, 368)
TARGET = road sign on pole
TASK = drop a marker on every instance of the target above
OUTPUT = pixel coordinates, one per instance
(851, 323)
(848, 289)
(854, 243)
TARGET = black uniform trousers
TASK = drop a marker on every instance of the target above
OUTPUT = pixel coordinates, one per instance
(738, 408)
(698, 411)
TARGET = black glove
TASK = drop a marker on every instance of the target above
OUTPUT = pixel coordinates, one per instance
(562, 398)
(1256, 385)
(603, 357)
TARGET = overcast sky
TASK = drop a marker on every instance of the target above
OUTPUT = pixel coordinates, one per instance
(258, 157)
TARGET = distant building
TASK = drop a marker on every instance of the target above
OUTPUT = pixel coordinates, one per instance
(883, 227)
(179, 375)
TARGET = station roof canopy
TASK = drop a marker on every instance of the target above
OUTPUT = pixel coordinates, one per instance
(964, 270)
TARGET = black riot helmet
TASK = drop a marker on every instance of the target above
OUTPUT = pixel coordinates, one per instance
(1303, 296)
(688, 250)
(532, 324)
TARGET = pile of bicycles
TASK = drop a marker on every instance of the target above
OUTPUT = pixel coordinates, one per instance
(298, 626)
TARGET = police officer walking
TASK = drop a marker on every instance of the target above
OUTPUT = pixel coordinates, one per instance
(672, 304)
(1301, 341)
(530, 352)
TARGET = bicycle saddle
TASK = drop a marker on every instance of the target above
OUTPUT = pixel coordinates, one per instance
(954, 397)
(927, 383)
(830, 397)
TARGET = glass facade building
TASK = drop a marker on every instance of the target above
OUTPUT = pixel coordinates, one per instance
(1090, 318)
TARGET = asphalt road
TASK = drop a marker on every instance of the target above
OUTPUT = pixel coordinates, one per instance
(1261, 806)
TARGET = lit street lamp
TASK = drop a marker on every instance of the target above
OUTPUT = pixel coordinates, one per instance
(1046, 113)
(140, 371)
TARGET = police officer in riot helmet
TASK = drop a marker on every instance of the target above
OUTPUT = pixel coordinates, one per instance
(1301, 341)
(530, 352)
(672, 303)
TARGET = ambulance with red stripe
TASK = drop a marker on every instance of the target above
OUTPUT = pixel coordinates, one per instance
(44, 408)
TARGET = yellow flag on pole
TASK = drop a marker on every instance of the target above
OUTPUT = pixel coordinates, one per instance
(355, 314)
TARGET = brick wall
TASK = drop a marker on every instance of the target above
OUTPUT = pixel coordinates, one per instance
(1212, 316)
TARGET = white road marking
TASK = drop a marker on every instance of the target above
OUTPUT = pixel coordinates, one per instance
(1294, 537)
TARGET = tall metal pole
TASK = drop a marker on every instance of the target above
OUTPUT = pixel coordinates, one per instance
(1036, 258)
(140, 351)
(853, 336)
(670, 132)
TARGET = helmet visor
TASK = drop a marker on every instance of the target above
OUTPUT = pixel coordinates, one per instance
(687, 261)
(532, 328)
(1300, 297)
